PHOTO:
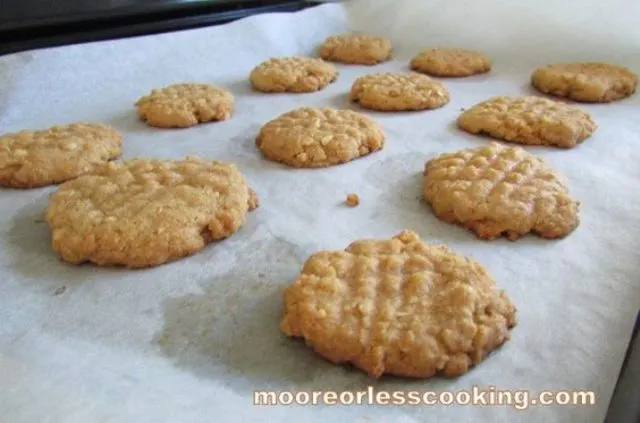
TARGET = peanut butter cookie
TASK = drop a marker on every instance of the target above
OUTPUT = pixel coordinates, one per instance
(356, 49)
(319, 137)
(452, 62)
(498, 190)
(292, 74)
(586, 82)
(185, 105)
(398, 306)
(399, 92)
(143, 213)
(30, 159)
(529, 120)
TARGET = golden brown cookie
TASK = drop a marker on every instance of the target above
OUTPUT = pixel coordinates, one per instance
(356, 49)
(499, 190)
(398, 306)
(143, 213)
(399, 92)
(319, 137)
(292, 74)
(585, 82)
(185, 105)
(529, 120)
(30, 159)
(451, 62)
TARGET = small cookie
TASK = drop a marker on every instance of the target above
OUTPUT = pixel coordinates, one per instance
(356, 49)
(292, 74)
(399, 92)
(499, 190)
(319, 137)
(398, 306)
(585, 82)
(185, 105)
(452, 62)
(143, 213)
(529, 120)
(30, 159)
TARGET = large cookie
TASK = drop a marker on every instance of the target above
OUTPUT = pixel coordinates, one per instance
(143, 213)
(498, 190)
(292, 74)
(30, 159)
(585, 82)
(452, 62)
(185, 105)
(356, 49)
(399, 92)
(398, 306)
(319, 137)
(529, 120)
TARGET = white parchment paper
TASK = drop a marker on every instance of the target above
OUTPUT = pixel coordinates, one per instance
(190, 341)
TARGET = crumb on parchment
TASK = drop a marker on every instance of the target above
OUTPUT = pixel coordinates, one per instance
(352, 200)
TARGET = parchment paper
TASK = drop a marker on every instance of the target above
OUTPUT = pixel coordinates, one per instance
(190, 341)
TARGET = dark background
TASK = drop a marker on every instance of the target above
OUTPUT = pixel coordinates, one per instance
(28, 24)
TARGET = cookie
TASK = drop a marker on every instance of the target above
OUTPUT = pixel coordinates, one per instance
(319, 137)
(143, 213)
(500, 190)
(585, 82)
(292, 74)
(398, 306)
(185, 105)
(356, 49)
(398, 92)
(451, 62)
(529, 120)
(30, 159)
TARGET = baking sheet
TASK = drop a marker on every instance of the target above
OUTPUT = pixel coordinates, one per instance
(191, 340)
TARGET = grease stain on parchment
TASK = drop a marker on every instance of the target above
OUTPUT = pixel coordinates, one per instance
(230, 331)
